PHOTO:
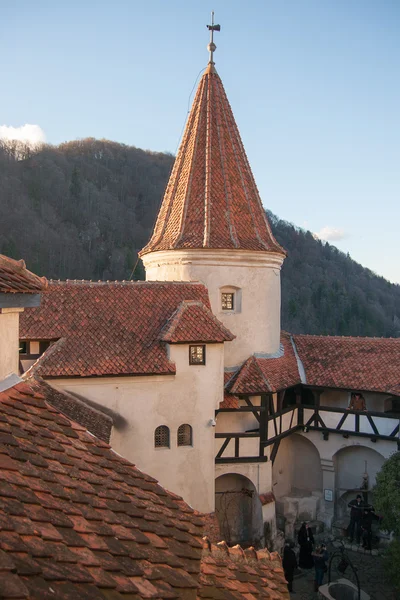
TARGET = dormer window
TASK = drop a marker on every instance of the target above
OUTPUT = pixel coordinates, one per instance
(227, 301)
(197, 355)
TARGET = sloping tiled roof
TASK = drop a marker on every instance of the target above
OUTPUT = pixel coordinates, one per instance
(106, 328)
(263, 375)
(351, 363)
(212, 200)
(230, 400)
(234, 574)
(80, 522)
(15, 278)
(193, 322)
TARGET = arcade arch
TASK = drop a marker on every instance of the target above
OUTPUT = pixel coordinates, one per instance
(238, 509)
(350, 464)
(297, 468)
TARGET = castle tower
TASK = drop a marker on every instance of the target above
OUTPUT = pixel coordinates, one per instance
(212, 226)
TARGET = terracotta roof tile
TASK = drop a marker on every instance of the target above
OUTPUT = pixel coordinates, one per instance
(62, 545)
(263, 375)
(369, 364)
(212, 200)
(230, 400)
(193, 322)
(15, 278)
(110, 328)
(233, 573)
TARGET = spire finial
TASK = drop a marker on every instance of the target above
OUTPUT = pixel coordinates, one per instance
(211, 46)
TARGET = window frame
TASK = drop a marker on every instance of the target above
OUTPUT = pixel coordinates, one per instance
(195, 362)
(166, 430)
(232, 296)
(188, 431)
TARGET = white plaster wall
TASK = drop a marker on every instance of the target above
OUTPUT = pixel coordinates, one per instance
(328, 448)
(9, 341)
(350, 465)
(256, 274)
(191, 396)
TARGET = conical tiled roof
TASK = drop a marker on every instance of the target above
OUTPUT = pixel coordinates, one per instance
(212, 200)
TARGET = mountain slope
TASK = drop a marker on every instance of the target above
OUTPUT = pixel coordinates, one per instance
(83, 209)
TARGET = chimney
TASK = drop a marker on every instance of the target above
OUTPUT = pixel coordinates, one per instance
(19, 288)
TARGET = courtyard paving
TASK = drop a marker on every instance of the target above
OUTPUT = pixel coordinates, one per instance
(370, 572)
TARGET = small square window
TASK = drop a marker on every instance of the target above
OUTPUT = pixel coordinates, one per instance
(197, 355)
(23, 347)
(227, 301)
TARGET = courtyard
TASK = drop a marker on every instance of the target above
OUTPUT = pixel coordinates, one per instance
(370, 572)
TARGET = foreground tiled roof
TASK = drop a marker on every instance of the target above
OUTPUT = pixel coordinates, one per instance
(351, 363)
(106, 328)
(193, 322)
(234, 573)
(80, 522)
(230, 400)
(212, 200)
(15, 278)
(263, 375)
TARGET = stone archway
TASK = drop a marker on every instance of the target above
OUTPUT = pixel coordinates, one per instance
(350, 464)
(297, 468)
(238, 509)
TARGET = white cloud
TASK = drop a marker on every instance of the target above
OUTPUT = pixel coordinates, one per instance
(33, 134)
(331, 234)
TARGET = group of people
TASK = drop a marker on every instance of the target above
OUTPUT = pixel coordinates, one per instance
(362, 516)
(308, 557)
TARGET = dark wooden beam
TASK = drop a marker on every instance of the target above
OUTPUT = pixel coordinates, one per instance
(240, 434)
(223, 447)
(251, 406)
(253, 409)
(243, 459)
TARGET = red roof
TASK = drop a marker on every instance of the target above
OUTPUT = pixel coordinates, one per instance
(15, 278)
(212, 200)
(369, 364)
(193, 322)
(263, 375)
(230, 400)
(112, 328)
(235, 574)
(80, 522)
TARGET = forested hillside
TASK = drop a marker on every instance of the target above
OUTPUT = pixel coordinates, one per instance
(83, 209)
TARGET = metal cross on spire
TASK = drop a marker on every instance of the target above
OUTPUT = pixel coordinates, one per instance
(211, 46)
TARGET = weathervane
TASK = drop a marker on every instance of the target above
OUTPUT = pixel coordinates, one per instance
(211, 46)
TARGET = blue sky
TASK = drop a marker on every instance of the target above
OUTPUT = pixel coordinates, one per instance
(314, 86)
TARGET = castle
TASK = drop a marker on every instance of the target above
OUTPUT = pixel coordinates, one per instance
(188, 374)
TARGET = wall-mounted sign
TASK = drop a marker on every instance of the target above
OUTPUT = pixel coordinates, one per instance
(328, 494)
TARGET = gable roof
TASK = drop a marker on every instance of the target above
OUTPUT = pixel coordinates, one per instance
(236, 573)
(111, 328)
(78, 520)
(263, 375)
(368, 364)
(193, 322)
(212, 200)
(16, 279)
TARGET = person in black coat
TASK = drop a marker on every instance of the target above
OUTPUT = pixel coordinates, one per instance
(367, 519)
(289, 564)
(305, 539)
(357, 506)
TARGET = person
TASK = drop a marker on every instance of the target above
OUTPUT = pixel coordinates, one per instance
(357, 402)
(357, 506)
(320, 557)
(305, 539)
(289, 563)
(368, 516)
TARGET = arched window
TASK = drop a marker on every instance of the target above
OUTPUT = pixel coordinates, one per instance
(161, 437)
(185, 435)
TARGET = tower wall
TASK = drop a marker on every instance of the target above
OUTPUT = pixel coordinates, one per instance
(253, 278)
